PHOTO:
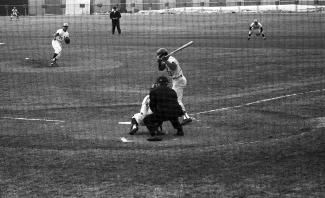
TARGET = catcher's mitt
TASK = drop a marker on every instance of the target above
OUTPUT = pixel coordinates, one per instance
(67, 40)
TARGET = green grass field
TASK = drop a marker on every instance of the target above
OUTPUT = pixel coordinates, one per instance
(258, 107)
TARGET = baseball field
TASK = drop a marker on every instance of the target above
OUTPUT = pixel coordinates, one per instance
(258, 107)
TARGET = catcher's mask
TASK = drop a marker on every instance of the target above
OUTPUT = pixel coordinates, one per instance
(154, 85)
(162, 81)
(255, 21)
(162, 52)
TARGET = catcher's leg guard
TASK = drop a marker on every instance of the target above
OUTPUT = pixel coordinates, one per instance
(134, 127)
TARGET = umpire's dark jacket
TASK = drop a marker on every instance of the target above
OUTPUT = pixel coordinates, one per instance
(163, 103)
(115, 15)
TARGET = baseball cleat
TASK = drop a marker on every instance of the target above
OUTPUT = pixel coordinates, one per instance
(53, 62)
(133, 130)
(186, 121)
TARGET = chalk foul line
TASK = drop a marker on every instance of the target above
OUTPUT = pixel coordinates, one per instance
(32, 119)
(257, 102)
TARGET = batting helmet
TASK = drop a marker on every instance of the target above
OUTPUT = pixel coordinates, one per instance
(162, 81)
(65, 25)
(162, 52)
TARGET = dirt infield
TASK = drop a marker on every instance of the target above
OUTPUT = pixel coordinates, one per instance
(258, 107)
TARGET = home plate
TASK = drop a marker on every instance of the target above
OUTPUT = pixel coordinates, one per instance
(123, 139)
(124, 122)
(2, 43)
(27, 58)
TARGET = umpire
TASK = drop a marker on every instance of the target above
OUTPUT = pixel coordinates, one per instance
(115, 16)
(165, 107)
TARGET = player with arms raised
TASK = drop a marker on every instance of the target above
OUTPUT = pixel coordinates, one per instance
(59, 36)
(256, 28)
(171, 65)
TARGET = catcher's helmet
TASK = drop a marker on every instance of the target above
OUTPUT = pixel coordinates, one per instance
(162, 52)
(162, 81)
(255, 21)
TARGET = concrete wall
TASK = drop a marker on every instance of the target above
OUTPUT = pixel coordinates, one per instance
(197, 3)
(77, 7)
(234, 2)
(213, 3)
(35, 6)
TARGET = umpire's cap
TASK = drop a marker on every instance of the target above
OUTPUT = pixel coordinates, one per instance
(162, 52)
(162, 81)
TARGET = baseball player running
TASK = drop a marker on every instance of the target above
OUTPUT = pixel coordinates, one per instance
(59, 36)
(256, 28)
(171, 65)
(14, 13)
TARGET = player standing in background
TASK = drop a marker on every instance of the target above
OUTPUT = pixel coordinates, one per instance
(115, 16)
(59, 36)
(14, 13)
(256, 28)
(171, 65)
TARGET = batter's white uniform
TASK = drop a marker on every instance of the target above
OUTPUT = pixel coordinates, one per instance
(144, 111)
(179, 81)
(57, 42)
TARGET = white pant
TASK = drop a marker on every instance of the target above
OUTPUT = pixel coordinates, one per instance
(57, 48)
(178, 85)
(255, 31)
(139, 118)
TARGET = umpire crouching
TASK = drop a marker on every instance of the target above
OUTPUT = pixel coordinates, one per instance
(165, 107)
(115, 16)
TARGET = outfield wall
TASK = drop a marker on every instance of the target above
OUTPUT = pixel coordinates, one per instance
(73, 7)
(77, 7)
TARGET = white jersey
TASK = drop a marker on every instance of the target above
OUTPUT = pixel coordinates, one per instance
(62, 35)
(256, 26)
(14, 11)
(174, 73)
(145, 108)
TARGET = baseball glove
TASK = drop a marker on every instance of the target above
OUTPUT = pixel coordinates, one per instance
(67, 40)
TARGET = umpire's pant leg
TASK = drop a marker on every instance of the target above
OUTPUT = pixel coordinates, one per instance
(118, 27)
(113, 26)
(176, 124)
(152, 122)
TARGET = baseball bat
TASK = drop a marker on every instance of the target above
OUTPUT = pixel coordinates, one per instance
(180, 48)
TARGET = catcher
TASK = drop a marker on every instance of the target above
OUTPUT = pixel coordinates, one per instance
(59, 36)
(137, 119)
